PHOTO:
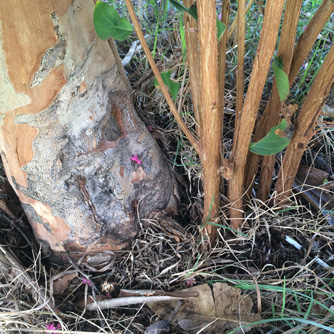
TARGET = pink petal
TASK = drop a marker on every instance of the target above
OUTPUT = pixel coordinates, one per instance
(86, 281)
(51, 326)
(135, 158)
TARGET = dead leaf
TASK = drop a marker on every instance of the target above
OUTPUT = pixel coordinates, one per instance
(289, 110)
(320, 197)
(99, 262)
(287, 132)
(160, 327)
(61, 284)
(226, 170)
(327, 111)
(220, 308)
(311, 176)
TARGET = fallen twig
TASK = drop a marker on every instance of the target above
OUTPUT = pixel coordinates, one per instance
(124, 301)
(130, 297)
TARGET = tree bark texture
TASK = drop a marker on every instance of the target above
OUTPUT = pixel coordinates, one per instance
(68, 131)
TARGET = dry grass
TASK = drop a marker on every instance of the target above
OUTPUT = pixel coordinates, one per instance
(167, 256)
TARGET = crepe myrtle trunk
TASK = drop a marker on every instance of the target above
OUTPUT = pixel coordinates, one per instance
(68, 131)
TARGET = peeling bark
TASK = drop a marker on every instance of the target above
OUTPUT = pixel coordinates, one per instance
(68, 131)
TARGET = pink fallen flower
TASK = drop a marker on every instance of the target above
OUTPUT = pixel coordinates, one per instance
(86, 281)
(135, 158)
(53, 327)
(190, 282)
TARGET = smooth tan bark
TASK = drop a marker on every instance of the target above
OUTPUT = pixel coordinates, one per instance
(68, 131)
(210, 111)
(304, 125)
(242, 138)
(300, 53)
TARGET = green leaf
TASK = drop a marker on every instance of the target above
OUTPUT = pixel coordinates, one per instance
(282, 80)
(220, 29)
(172, 85)
(191, 10)
(183, 38)
(108, 23)
(274, 142)
(279, 62)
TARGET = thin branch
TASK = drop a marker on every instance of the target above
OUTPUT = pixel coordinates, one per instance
(309, 36)
(126, 301)
(233, 27)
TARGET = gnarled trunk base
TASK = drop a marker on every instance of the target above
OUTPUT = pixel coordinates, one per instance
(68, 131)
